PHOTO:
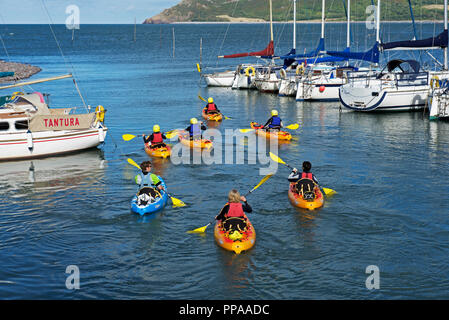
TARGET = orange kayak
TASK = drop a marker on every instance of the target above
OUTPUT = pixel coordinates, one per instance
(280, 135)
(200, 143)
(243, 244)
(162, 152)
(212, 116)
(298, 201)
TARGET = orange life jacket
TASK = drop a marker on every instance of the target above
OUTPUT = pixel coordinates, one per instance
(211, 107)
(235, 210)
(157, 138)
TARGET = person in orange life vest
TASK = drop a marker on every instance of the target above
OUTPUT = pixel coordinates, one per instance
(156, 138)
(211, 107)
(233, 211)
(195, 128)
(295, 176)
(274, 123)
(304, 180)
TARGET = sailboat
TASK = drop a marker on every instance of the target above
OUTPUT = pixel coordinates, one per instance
(439, 97)
(244, 74)
(402, 84)
(29, 128)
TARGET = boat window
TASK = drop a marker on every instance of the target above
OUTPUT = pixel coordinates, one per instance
(4, 126)
(21, 125)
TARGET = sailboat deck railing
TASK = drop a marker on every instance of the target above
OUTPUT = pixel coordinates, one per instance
(406, 79)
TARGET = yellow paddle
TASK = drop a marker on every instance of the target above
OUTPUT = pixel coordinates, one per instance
(168, 134)
(293, 126)
(203, 229)
(275, 158)
(176, 202)
(226, 118)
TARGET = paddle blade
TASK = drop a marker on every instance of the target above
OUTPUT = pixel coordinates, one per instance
(268, 176)
(198, 67)
(171, 134)
(177, 203)
(133, 163)
(199, 230)
(329, 192)
(201, 98)
(245, 130)
(128, 137)
(275, 158)
(293, 126)
(227, 118)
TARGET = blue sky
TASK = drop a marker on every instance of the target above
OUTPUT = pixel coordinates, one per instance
(91, 11)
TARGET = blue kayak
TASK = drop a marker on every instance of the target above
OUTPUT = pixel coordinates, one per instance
(140, 206)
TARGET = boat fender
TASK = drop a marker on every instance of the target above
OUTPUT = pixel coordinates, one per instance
(250, 71)
(30, 143)
(322, 88)
(300, 69)
(283, 73)
(99, 111)
(434, 82)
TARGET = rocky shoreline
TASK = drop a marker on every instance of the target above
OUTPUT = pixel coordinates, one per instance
(21, 70)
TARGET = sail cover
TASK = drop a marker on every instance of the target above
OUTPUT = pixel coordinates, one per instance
(267, 52)
(311, 54)
(371, 55)
(439, 41)
(288, 62)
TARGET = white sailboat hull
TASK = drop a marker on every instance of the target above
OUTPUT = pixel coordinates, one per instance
(287, 87)
(386, 99)
(439, 106)
(22, 145)
(220, 79)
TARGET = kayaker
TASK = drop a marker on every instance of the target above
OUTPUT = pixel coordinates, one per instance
(274, 123)
(156, 138)
(148, 179)
(194, 129)
(232, 214)
(305, 176)
(211, 107)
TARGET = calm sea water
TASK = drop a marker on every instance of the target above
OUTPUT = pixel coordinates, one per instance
(390, 172)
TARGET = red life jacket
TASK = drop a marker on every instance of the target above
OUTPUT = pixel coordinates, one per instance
(235, 210)
(157, 138)
(307, 175)
(211, 107)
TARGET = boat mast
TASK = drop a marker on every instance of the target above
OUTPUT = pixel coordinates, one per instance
(378, 22)
(445, 29)
(294, 24)
(322, 18)
(348, 27)
(271, 21)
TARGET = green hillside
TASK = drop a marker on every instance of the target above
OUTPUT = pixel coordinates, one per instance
(214, 10)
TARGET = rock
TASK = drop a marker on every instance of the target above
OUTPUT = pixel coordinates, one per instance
(21, 70)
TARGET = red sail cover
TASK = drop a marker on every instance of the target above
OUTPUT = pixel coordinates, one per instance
(268, 51)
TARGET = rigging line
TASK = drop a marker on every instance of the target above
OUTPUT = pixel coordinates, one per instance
(1, 39)
(226, 32)
(284, 25)
(62, 54)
